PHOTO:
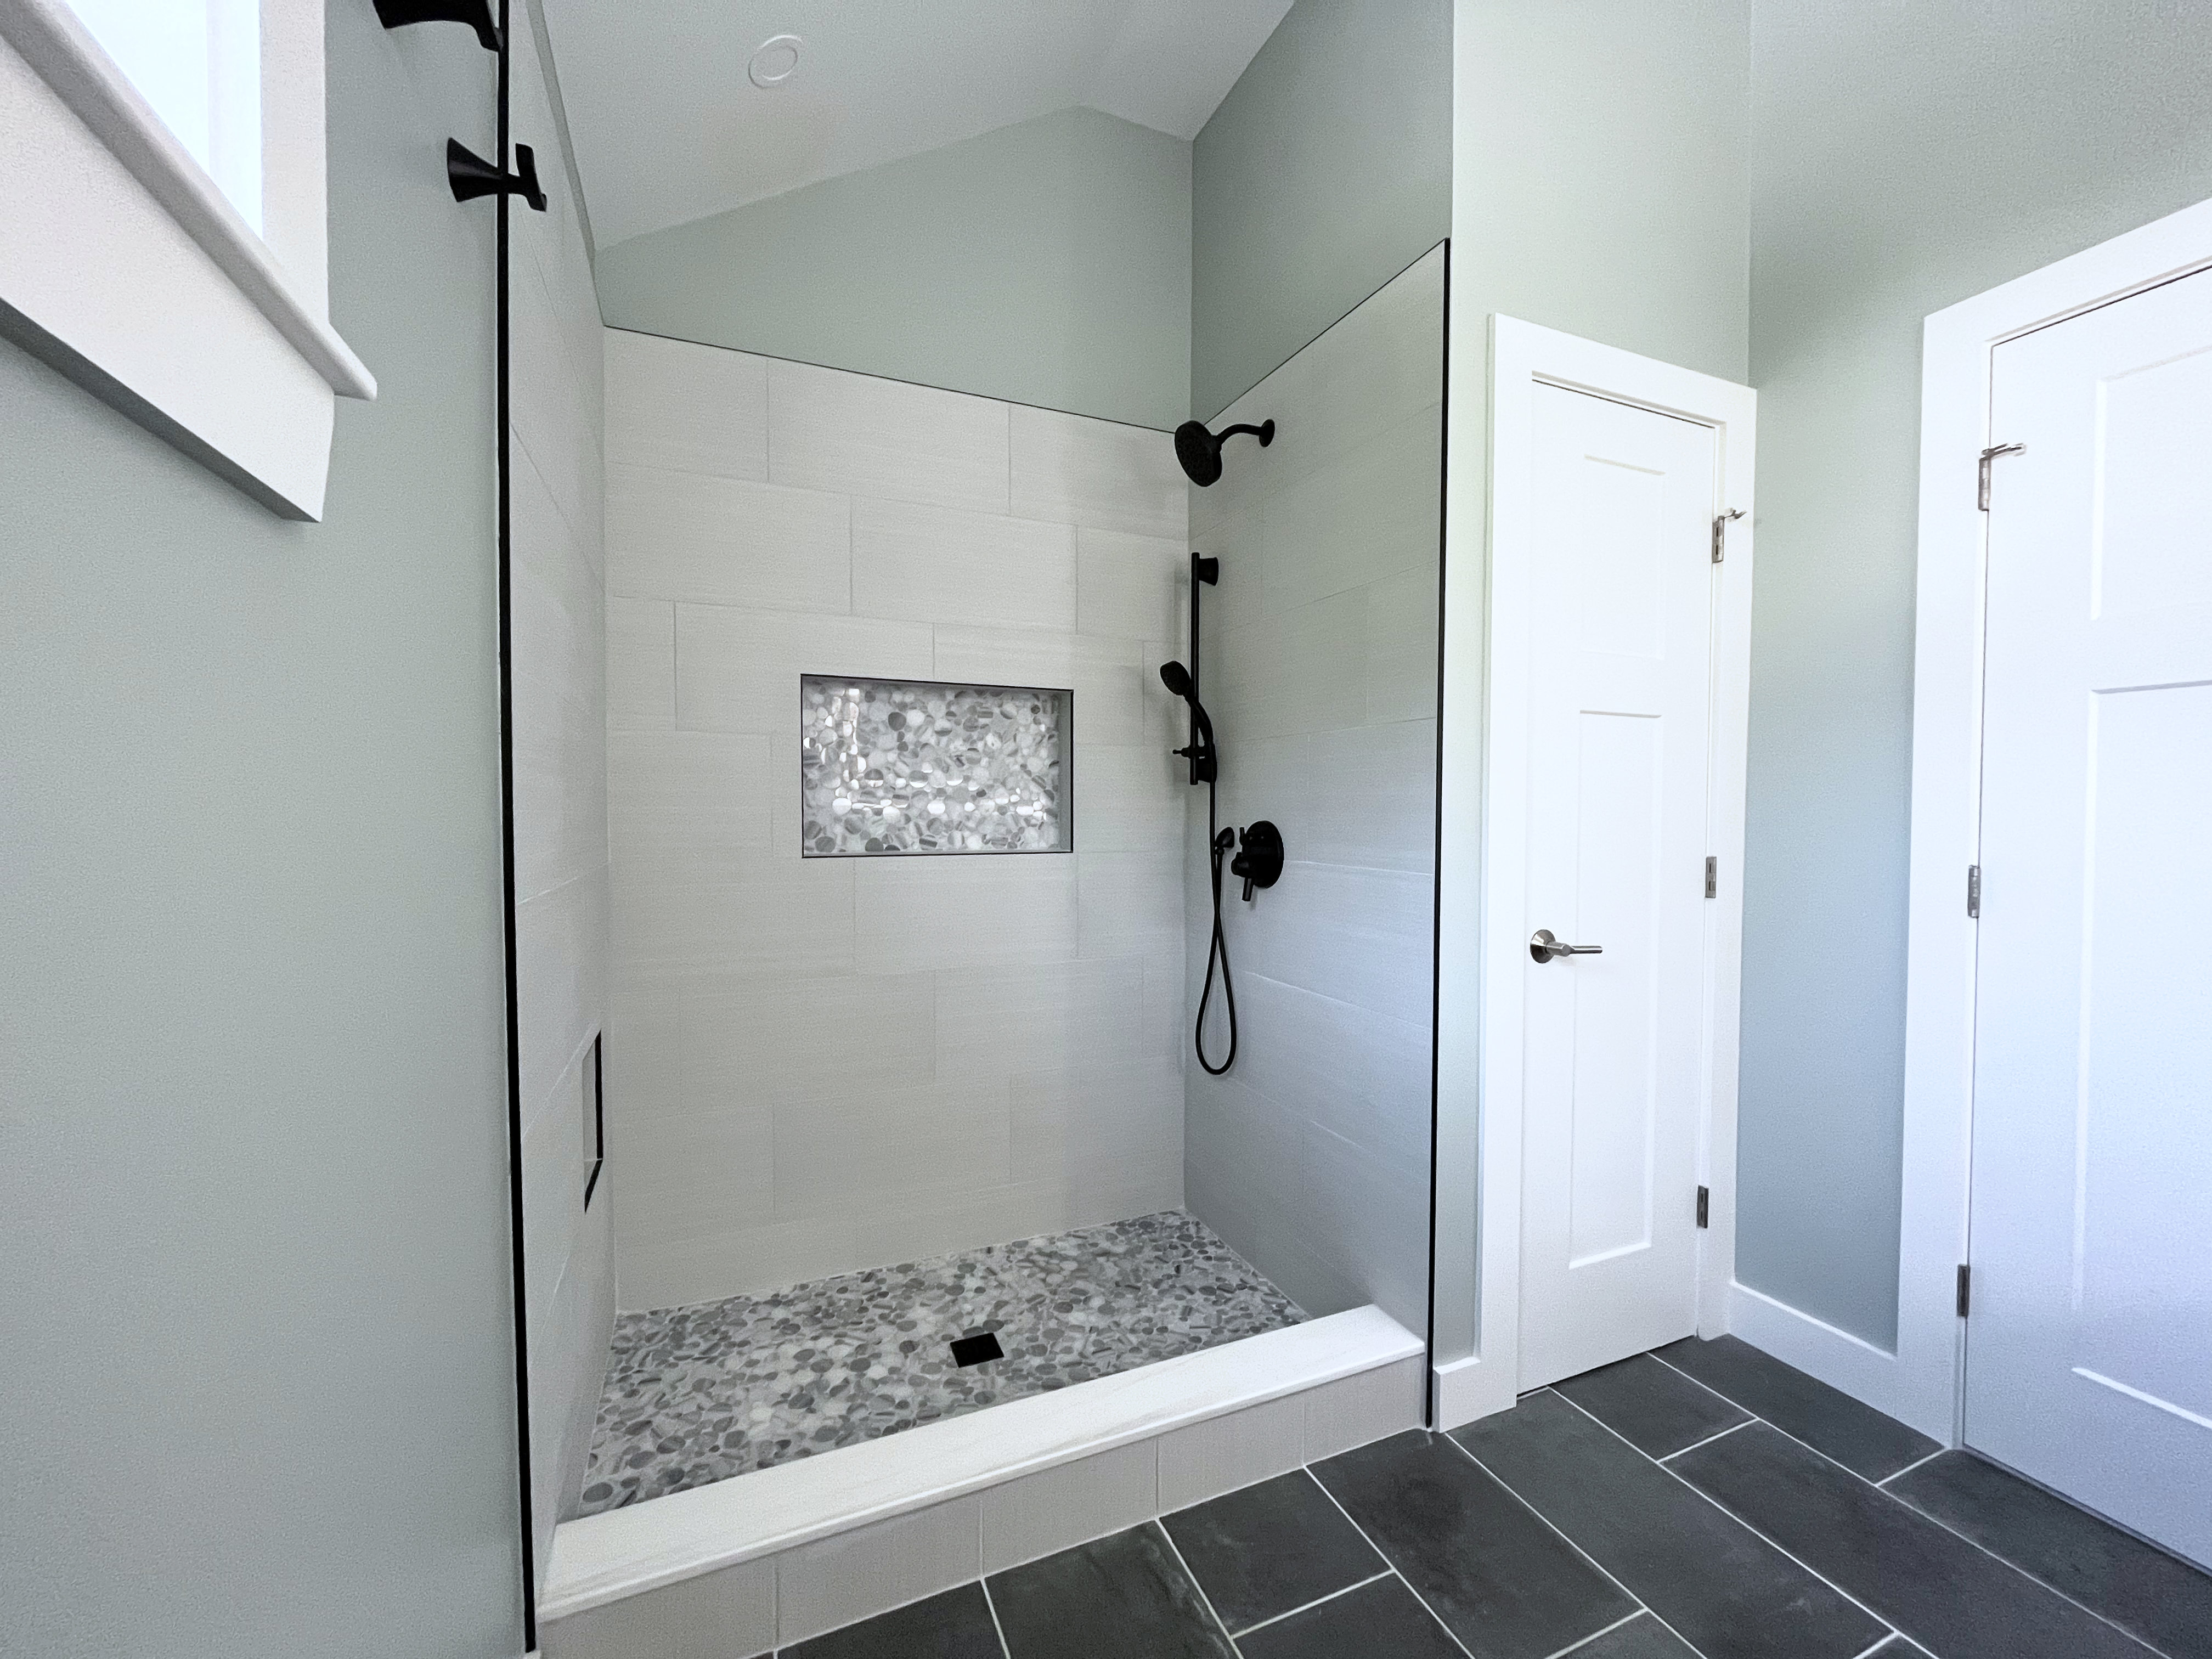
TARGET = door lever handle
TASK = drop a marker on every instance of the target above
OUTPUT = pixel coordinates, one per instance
(1544, 947)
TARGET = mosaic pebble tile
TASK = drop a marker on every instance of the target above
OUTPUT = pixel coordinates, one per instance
(698, 1394)
(893, 766)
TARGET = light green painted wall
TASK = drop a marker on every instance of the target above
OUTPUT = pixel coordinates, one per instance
(256, 1386)
(1599, 171)
(1047, 264)
(1904, 157)
(1326, 171)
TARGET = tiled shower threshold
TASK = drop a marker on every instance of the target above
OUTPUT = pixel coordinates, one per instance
(699, 1395)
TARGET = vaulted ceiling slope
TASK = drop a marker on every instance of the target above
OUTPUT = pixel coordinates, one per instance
(668, 125)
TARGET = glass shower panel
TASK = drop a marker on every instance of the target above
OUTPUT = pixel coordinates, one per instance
(1310, 1156)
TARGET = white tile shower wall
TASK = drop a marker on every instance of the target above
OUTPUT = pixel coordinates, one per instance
(561, 716)
(821, 1065)
(1321, 671)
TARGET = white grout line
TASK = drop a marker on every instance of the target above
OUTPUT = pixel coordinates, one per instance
(1450, 1635)
(1693, 1445)
(1881, 1486)
(1740, 1522)
(1909, 1468)
(1319, 1600)
(1595, 1566)
(1576, 1647)
(1006, 1650)
(1204, 1600)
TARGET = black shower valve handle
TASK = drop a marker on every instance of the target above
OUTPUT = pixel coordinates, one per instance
(1260, 860)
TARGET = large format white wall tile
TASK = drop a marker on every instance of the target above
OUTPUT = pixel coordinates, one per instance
(975, 911)
(693, 407)
(900, 1143)
(1096, 474)
(712, 916)
(941, 565)
(677, 795)
(843, 1580)
(1361, 936)
(1125, 584)
(1226, 1454)
(828, 429)
(726, 541)
(1097, 1125)
(1057, 1509)
(1051, 1018)
(831, 1046)
(1362, 1073)
(763, 1039)
(1363, 795)
(1370, 514)
(738, 671)
(640, 663)
(729, 1614)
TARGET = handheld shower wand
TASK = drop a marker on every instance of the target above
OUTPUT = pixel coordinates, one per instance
(1204, 767)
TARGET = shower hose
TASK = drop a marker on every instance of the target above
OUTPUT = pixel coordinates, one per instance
(1218, 843)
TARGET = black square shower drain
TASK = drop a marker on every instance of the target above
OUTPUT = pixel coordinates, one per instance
(978, 1349)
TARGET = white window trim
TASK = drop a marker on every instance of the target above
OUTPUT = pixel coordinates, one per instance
(1920, 1382)
(126, 268)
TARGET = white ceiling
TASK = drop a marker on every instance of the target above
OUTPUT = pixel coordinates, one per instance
(668, 127)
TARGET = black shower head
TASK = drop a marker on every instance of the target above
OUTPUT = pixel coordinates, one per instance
(1176, 677)
(1200, 451)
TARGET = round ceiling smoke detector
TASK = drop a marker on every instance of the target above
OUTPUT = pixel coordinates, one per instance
(774, 60)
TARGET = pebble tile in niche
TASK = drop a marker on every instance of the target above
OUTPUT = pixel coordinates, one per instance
(698, 1395)
(894, 766)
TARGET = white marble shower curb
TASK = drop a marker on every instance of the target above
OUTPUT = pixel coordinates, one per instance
(600, 1559)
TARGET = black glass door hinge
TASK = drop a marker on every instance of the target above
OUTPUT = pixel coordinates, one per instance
(472, 176)
(1704, 1207)
(477, 14)
(1965, 1288)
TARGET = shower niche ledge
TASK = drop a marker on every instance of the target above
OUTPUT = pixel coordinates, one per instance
(782, 1555)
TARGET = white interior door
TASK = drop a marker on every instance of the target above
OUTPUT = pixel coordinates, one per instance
(1619, 751)
(2089, 1345)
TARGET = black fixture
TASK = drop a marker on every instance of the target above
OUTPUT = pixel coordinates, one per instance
(472, 176)
(1203, 769)
(1200, 451)
(1260, 860)
(978, 1348)
(595, 1117)
(477, 14)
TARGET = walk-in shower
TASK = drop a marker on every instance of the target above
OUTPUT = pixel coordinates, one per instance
(898, 1138)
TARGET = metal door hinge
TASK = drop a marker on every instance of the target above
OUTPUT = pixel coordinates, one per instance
(1974, 892)
(1713, 878)
(1704, 1207)
(1965, 1288)
(1981, 497)
(1720, 532)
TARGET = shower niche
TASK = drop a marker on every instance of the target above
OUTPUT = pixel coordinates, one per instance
(907, 767)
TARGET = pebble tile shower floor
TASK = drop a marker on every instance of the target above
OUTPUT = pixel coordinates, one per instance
(699, 1393)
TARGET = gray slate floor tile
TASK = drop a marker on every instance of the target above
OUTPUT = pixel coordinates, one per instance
(954, 1625)
(1268, 1548)
(1122, 1597)
(1504, 1584)
(1955, 1600)
(1652, 1406)
(1381, 1620)
(2165, 1602)
(1727, 1592)
(1641, 1638)
(1828, 1419)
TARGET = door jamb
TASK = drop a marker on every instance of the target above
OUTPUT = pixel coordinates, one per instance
(1479, 1104)
(1921, 1383)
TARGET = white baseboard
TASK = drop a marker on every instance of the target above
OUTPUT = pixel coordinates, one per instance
(1467, 1390)
(1867, 1373)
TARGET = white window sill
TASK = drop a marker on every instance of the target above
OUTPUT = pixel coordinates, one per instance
(126, 268)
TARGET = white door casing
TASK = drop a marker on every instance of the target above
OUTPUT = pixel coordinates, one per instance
(1490, 646)
(2089, 1342)
(1620, 679)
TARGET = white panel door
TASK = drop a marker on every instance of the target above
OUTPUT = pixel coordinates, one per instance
(2089, 1345)
(1622, 606)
